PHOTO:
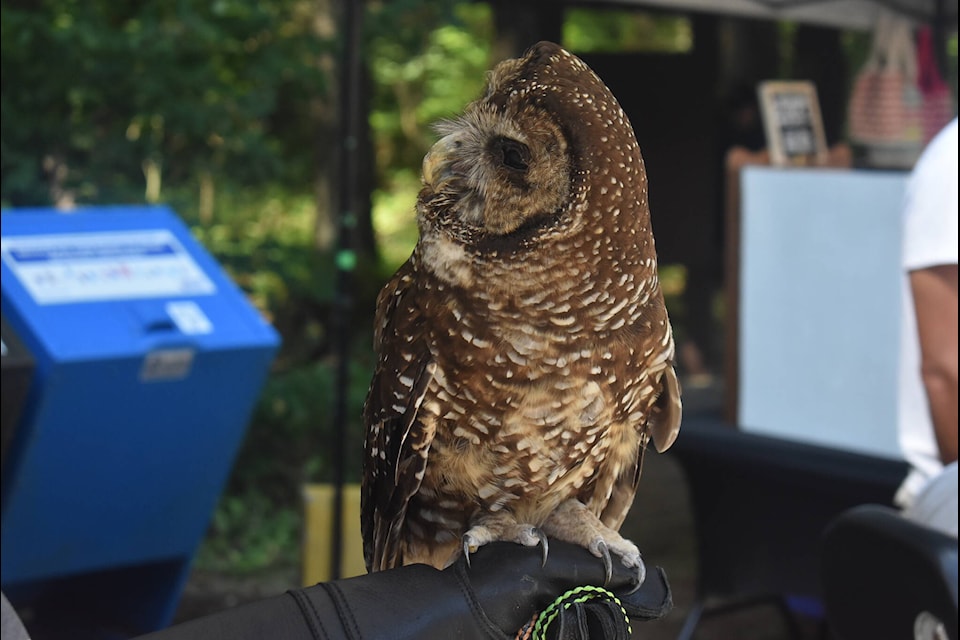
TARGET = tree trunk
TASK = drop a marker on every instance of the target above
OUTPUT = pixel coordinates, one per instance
(152, 176)
(207, 196)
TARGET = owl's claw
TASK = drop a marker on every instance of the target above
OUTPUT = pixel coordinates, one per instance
(525, 535)
(634, 561)
(544, 546)
(468, 548)
(604, 553)
(641, 576)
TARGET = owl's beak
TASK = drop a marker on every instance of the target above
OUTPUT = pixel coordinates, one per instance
(438, 163)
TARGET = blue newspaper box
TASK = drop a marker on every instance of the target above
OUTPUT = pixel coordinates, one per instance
(17, 372)
(148, 362)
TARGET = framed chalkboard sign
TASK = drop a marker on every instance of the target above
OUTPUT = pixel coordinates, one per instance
(792, 123)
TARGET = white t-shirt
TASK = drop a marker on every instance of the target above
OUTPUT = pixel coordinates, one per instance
(929, 239)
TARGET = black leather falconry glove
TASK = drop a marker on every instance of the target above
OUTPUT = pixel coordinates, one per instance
(504, 593)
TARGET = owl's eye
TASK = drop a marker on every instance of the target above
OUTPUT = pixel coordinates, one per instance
(512, 154)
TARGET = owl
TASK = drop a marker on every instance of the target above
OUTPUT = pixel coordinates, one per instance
(525, 352)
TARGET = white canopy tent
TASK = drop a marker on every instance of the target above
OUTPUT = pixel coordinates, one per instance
(843, 14)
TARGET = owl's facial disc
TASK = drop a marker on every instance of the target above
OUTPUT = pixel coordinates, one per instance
(491, 174)
(456, 169)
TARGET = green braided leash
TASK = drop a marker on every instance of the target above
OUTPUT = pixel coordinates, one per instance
(567, 600)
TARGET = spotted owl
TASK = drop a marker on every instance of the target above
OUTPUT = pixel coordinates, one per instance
(525, 353)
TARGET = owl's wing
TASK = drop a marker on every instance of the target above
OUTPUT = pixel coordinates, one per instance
(398, 440)
(663, 425)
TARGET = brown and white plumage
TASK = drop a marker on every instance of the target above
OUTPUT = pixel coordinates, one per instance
(525, 354)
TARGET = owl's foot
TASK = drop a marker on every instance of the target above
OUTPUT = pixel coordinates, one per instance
(574, 523)
(502, 527)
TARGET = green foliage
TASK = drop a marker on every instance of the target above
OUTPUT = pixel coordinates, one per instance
(263, 238)
(95, 92)
(394, 217)
(250, 531)
(606, 30)
(258, 521)
(290, 428)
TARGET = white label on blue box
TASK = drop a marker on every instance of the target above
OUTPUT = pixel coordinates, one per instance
(166, 364)
(189, 317)
(100, 266)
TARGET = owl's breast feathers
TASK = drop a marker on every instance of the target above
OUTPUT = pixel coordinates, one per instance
(519, 393)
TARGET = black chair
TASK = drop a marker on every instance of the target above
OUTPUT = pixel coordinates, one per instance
(886, 577)
(760, 506)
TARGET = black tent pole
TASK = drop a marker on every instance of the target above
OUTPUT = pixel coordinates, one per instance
(940, 36)
(349, 107)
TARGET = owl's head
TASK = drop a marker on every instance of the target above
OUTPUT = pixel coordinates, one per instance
(546, 151)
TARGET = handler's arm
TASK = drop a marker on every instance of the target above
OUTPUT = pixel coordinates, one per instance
(935, 299)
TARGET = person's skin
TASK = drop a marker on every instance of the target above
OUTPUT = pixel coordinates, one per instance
(935, 300)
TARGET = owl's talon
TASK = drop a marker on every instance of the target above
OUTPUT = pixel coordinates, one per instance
(466, 552)
(604, 553)
(641, 577)
(544, 546)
